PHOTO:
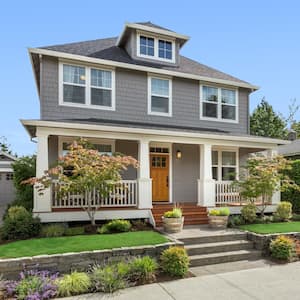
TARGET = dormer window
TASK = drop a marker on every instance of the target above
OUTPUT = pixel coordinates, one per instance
(146, 46)
(155, 48)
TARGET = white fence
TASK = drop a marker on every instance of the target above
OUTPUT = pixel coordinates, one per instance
(124, 194)
(227, 193)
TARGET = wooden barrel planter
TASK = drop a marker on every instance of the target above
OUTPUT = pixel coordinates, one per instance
(218, 221)
(173, 225)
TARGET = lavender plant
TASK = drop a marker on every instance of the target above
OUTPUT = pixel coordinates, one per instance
(33, 285)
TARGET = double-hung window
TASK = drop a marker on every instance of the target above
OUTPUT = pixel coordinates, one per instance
(146, 46)
(74, 84)
(224, 165)
(164, 49)
(219, 104)
(87, 87)
(160, 96)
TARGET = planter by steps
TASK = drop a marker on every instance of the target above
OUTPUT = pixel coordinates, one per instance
(218, 221)
(173, 225)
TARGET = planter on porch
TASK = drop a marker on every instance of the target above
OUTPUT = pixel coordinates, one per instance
(218, 218)
(173, 220)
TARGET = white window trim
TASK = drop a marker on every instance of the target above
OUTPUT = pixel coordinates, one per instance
(150, 112)
(220, 163)
(219, 104)
(65, 139)
(156, 46)
(87, 86)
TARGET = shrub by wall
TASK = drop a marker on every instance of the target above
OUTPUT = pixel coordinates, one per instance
(291, 195)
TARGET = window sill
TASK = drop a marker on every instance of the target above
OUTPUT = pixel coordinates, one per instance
(77, 105)
(219, 120)
(160, 114)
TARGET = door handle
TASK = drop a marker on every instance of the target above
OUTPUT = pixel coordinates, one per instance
(167, 181)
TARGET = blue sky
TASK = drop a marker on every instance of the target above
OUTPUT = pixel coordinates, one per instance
(257, 41)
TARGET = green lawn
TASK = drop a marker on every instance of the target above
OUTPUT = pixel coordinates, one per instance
(79, 243)
(273, 227)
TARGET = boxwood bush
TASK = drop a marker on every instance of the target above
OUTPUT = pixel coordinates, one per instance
(175, 261)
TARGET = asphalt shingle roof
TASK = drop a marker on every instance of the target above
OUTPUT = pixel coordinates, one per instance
(107, 49)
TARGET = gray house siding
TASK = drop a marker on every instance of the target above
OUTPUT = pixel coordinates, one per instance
(128, 148)
(131, 102)
(186, 172)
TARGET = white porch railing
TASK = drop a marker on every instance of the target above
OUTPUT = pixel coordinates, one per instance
(227, 193)
(122, 195)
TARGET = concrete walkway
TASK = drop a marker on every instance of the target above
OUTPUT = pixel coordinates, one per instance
(264, 283)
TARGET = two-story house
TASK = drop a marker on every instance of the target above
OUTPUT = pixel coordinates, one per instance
(186, 123)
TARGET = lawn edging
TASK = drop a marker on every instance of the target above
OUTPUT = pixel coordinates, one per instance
(80, 261)
(262, 241)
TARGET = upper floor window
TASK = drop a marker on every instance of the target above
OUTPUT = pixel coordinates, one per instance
(87, 87)
(165, 49)
(146, 45)
(155, 48)
(160, 96)
(218, 103)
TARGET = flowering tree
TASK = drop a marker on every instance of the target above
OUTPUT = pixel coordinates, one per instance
(81, 171)
(263, 177)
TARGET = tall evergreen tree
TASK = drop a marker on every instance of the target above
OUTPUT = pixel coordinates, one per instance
(4, 146)
(264, 121)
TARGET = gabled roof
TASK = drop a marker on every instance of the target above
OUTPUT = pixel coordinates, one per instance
(106, 49)
(150, 24)
(11, 157)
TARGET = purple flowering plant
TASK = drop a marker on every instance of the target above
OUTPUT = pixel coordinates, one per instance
(33, 285)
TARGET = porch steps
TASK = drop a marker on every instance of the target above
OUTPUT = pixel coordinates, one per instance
(219, 248)
(193, 214)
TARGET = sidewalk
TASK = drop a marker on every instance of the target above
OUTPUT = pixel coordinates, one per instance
(270, 282)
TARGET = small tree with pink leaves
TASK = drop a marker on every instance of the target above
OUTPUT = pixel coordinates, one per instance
(81, 171)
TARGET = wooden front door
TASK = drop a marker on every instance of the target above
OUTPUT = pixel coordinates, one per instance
(159, 172)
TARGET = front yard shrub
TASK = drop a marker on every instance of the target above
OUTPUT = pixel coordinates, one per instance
(53, 230)
(74, 231)
(235, 220)
(115, 226)
(214, 212)
(33, 285)
(175, 261)
(73, 284)
(248, 213)
(284, 211)
(143, 269)
(110, 278)
(292, 195)
(282, 248)
(20, 224)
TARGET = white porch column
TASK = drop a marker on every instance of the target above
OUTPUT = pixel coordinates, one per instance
(144, 180)
(206, 184)
(42, 203)
(276, 198)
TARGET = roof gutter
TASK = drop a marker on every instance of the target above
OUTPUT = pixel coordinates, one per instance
(112, 63)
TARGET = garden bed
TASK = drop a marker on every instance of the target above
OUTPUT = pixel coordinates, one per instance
(55, 245)
(270, 228)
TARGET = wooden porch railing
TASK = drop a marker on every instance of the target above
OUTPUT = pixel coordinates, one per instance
(227, 193)
(122, 195)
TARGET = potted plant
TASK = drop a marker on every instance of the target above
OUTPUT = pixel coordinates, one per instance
(218, 218)
(173, 220)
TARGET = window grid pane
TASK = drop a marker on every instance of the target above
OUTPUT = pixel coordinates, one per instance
(160, 87)
(210, 94)
(147, 46)
(73, 74)
(165, 49)
(101, 78)
(228, 96)
(228, 158)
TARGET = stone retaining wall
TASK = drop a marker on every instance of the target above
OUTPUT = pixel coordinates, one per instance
(262, 241)
(64, 263)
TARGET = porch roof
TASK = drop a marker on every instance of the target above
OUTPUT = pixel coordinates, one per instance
(154, 132)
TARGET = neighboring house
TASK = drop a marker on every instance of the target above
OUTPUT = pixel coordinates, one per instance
(291, 150)
(186, 123)
(7, 189)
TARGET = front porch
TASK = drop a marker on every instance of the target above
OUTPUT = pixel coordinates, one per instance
(175, 167)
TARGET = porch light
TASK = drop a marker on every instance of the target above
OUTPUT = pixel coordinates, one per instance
(178, 154)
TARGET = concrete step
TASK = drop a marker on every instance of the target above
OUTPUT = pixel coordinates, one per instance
(206, 248)
(216, 258)
(218, 237)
